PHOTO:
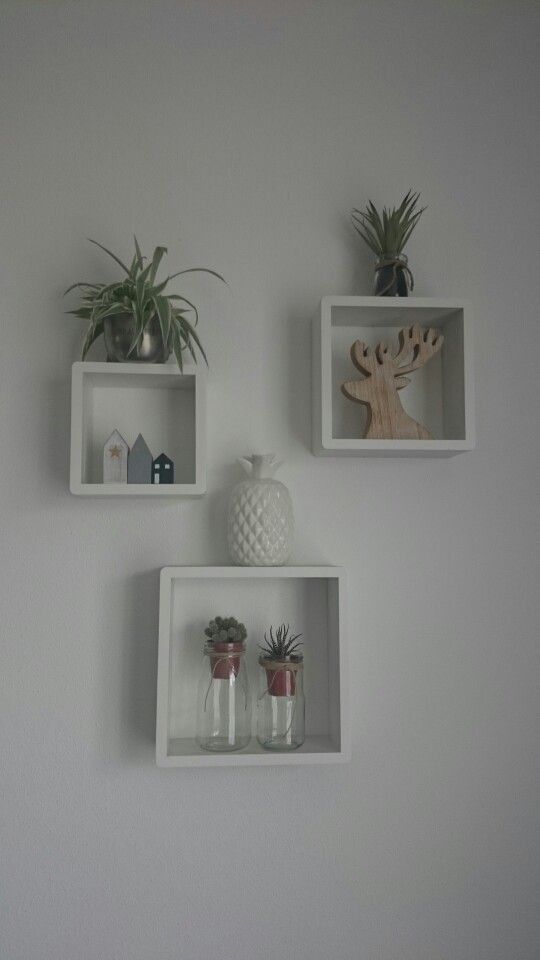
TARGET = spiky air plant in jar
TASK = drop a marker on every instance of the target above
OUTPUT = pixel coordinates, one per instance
(281, 703)
(387, 234)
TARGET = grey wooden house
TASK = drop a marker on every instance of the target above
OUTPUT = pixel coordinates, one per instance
(139, 468)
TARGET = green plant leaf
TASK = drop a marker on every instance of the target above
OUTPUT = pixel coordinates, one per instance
(176, 296)
(140, 291)
(139, 327)
(159, 252)
(138, 253)
(145, 275)
(94, 332)
(187, 326)
(199, 270)
(367, 236)
(134, 267)
(374, 219)
(408, 200)
(177, 349)
(114, 287)
(184, 335)
(163, 310)
(411, 227)
(113, 255)
(95, 286)
(107, 310)
(159, 287)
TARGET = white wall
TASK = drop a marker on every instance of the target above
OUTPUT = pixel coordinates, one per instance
(240, 134)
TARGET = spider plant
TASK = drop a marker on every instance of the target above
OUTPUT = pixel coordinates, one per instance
(279, 645)
(141, 297)
(387, 235)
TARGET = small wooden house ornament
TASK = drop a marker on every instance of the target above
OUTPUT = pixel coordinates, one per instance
(162, 470)
(115, 459)
(139, 468)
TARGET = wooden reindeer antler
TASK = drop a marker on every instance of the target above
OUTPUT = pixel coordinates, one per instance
(364, 358)
(384, 376)
(422, 345)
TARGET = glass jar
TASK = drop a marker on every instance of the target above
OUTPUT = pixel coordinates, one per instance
(392, 275)
(281, 704)
(224, 704)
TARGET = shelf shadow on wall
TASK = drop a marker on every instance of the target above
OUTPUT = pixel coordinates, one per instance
(55, 406)
(127, 698)
(54, 433)
(140, 648)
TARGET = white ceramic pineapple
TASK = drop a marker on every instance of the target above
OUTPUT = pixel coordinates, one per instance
(261, 519)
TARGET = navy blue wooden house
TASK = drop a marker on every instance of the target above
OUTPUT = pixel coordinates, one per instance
(162, 470)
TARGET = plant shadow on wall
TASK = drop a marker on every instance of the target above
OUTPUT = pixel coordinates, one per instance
(126, 702)
(298, 333)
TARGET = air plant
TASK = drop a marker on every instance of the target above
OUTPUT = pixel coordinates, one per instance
(142, 298)
(387, 235)
(225, 630)
(281, 646)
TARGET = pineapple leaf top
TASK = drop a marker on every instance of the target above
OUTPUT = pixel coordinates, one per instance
(279, 645)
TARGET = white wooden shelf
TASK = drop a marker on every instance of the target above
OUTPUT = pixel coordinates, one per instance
(440, 395)
(166, 406)
(310, 598)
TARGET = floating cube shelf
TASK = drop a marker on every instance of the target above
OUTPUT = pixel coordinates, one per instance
(440, 395)
(166, 406)
(309, 598)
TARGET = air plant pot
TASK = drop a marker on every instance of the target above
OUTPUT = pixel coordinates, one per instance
(392, 277)
(223, 664)
(280, 677)
(118, 334)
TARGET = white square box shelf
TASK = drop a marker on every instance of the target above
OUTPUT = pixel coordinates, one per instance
(309, 598)
(440, 394)
(166, 406)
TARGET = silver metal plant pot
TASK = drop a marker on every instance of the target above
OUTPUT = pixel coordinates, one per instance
(118, 333)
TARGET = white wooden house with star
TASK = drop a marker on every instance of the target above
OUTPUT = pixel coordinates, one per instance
(115, 459)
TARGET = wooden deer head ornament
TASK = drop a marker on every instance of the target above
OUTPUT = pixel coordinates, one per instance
(384, 376)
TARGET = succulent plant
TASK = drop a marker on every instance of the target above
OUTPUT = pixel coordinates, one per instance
(281, 646)
(388, 234)
(225, 630)
(139, 295)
